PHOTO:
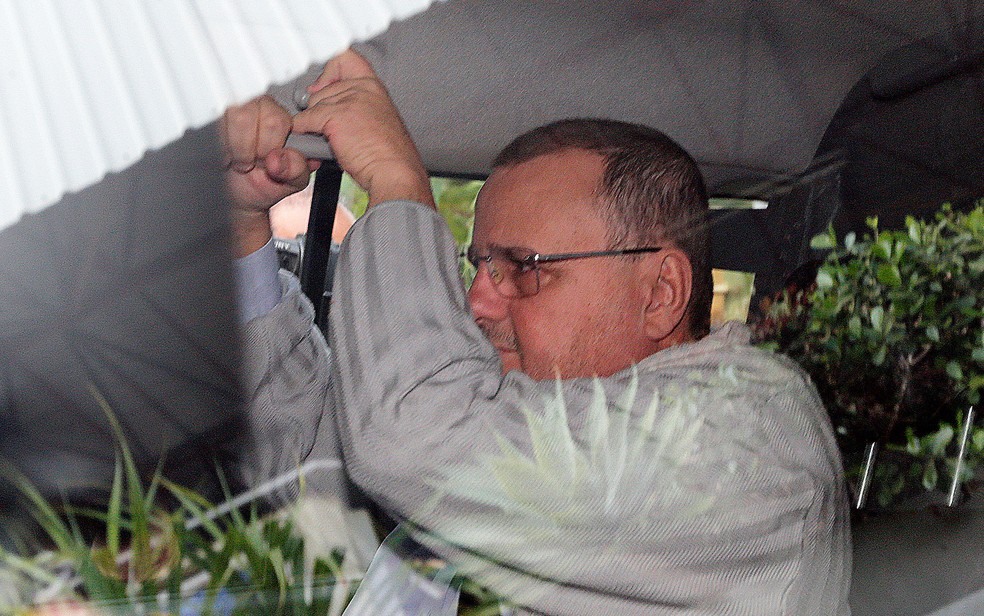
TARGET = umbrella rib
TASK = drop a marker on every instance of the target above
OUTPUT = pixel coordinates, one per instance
(175, 325)
(795, 83)
(120, 352)
(98, 382)
(53, 392)
(153, 269)
(741, 113)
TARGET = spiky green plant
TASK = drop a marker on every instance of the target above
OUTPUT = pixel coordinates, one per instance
(151, 560)
(572, 479)
(197, 559)
(579, 491)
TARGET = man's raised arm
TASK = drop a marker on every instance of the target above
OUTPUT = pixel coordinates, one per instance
(286, 363)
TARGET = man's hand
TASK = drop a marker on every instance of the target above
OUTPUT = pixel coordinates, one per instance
(260, 171)
(350, 106)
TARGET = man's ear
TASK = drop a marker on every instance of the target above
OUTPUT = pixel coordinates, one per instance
(669, 284)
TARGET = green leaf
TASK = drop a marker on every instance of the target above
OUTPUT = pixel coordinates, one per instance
(940, 440)
(42, 511)
(113, 512)
(882, 248)
(99, 588)
(824, 279)
(888, 274)
(849, 240)
(890, 489)
(954, 370)
(598, 422)
(912, 444)
(913, 228)
(930, 477)
(879, 357)
(877, 317)
(824, 241)
(277, 560)
(196, 506)
(136, 506)
(978, 354)
(933, 333)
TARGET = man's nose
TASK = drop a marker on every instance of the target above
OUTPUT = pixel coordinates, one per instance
(485, 301)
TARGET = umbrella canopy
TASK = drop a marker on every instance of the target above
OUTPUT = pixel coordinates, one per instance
(125, 285)
(910, 134)
(110, 296)
(748, 87)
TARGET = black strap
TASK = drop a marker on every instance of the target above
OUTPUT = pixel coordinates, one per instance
(315, 269)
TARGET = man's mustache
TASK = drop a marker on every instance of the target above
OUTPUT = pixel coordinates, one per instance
(500, 335)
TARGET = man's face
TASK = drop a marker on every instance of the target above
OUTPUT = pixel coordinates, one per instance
(587, 318)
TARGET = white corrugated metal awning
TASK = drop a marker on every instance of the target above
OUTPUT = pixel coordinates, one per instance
(88, 86)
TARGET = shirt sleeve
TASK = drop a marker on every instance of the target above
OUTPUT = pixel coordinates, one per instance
(415, 373)
(285, 372)
(257, 285)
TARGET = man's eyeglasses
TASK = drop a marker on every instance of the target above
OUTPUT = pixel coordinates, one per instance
(515, 272)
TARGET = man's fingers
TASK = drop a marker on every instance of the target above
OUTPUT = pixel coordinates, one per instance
(273, 126)
(252, 130)
(350, 106)
(239, 136)
(362, 97)
(261, 171)
(340, 91)
(346, 65)
(287, 166)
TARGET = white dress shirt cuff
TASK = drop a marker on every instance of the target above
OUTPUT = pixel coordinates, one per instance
(257, 284)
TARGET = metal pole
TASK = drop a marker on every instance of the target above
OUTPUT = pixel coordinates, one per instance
(870, 459)
(958, 467)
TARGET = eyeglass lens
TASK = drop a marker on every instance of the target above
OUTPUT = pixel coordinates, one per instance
(511, 275)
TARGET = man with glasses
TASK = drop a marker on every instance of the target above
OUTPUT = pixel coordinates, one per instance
(566, 431)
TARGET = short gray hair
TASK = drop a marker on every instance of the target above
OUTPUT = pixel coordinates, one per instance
(651, 189)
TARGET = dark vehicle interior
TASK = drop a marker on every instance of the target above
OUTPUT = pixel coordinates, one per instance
(831, 112)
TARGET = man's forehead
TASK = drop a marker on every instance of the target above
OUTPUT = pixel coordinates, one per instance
(565, 175)
(549, 201)
(558, 162)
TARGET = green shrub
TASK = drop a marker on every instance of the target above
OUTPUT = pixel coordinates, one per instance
(891, 334)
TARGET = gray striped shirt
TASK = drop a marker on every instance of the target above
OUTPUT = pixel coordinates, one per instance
(704, 480)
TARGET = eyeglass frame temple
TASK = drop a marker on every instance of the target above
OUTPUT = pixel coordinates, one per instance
(567, 256)
(537, 258)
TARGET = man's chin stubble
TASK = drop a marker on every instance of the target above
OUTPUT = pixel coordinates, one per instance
(505, 344)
